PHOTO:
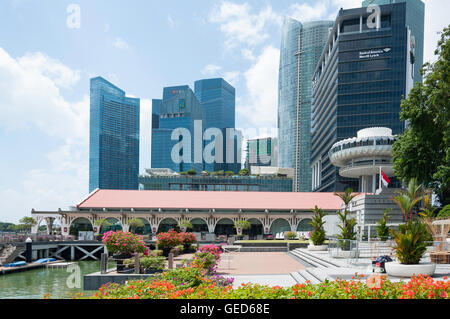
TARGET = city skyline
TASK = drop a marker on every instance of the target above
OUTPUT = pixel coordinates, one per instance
(45, 131)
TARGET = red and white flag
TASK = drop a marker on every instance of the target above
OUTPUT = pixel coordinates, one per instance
(384, 179)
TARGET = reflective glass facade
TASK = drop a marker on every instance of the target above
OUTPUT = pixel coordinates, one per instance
(301, 47)
(218, 99)
(179, 108)
(359, 83)
(114, 137)
(212, 183)
(415, 19)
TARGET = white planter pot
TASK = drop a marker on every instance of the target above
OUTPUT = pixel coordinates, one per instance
(317, 248)
(344, 253)
(399, 270)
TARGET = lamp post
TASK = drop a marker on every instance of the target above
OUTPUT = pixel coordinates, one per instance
(28, 250)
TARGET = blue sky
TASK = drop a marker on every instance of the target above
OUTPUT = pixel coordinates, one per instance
(141, 46)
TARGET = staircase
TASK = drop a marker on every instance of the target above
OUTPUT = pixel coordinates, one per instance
(9, 254)
(317, 267)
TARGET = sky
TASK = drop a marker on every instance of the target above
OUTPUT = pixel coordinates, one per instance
(50, 49)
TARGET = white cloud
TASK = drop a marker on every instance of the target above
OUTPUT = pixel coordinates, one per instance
(248, 54)
(30, 98)
(232, 77)
(121, 44)
(436, 19)
(170, 21)
(211, 69)
(240, 26)
(305, 12)
(258, 108)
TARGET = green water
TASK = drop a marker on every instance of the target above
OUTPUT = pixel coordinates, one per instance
(34, 284)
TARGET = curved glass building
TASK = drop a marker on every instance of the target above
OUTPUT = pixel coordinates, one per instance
(301, 48)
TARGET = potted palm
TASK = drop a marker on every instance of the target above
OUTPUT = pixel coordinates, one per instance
(347, 237)
(240, 225)
(382, 229)
(184, 225)
(410, 239)
(317, 237)
(135, 223)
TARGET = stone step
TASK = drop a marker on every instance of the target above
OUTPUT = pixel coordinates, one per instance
(324, 260)
(309, 277)
(305, 259)
(314, 260)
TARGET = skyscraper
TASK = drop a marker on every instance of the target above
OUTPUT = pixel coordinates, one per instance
(218, 99)
(114, 137)
(415, 20)
(301, 47)
(363, 74)
(179, 111)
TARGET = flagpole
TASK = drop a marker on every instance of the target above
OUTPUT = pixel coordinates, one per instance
(379, 181)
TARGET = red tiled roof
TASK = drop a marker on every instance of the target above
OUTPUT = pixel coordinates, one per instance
(143, 199)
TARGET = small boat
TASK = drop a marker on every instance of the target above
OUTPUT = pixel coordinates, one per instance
(44, 260)
(16, 264)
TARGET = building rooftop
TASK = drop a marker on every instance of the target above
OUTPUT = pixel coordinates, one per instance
(143, 199)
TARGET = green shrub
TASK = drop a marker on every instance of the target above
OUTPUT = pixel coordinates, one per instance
(151, 262)
(156, 253)
(291, 235)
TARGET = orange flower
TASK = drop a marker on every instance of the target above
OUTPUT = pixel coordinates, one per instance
(374, 281)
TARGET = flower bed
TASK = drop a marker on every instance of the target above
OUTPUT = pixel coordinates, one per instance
(123, 242)
(193, 283)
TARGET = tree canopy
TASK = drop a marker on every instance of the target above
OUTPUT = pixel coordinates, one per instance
(423, 150)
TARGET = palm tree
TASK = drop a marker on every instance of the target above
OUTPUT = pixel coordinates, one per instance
(408, 198)
(346, 196)
(135, 223)
(348, 224)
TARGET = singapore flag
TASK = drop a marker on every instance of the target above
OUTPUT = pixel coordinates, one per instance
(384, 179)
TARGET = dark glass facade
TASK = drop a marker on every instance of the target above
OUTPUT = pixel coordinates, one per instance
(178, 109)
(114, 137)
(218, 99)
(415, 19)
(212, 183)
(359, 83)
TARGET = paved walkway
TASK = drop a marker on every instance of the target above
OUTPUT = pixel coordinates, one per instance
(257, 263)
(264, 268)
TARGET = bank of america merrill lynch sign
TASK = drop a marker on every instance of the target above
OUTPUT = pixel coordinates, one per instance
(368, 54)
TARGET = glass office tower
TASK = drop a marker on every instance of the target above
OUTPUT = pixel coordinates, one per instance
(359, 82)
(218, 99)
(301, 47)
(179, 109)
(415, 20)
(114, 137)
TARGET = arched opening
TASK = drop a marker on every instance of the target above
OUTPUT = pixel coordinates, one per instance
(280, 225)
(167, 224)
(142, 230)
(255, 230)
(304, 225)
(225, 226)
(198, 225)
(111, 224)
(80, 224)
